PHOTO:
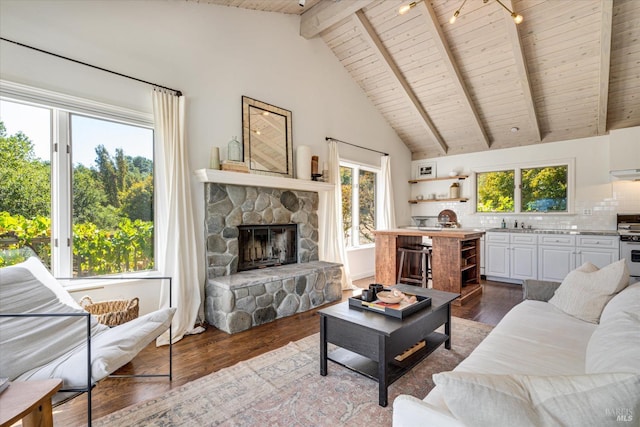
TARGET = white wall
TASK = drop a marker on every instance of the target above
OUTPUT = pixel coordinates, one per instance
(595, 191)
(214, 55)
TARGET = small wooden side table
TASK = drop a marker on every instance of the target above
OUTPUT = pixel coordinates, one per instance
(29, 401)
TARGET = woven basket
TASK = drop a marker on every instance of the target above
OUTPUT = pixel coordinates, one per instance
(112, 313)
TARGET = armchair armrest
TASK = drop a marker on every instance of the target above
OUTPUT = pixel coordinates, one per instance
(539, 290)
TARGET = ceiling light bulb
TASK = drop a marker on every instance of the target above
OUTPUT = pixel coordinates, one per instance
(517, 18)
(405, 8)
(515, 129)
(454, 17)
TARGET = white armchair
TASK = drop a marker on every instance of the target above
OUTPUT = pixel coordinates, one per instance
(44, 333)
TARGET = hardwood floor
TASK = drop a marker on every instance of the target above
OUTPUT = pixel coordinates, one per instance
(198, 355)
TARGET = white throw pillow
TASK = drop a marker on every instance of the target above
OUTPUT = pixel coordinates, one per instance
(583, 294)
(597, 400)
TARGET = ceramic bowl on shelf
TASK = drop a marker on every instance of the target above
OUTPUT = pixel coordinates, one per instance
(453, 173)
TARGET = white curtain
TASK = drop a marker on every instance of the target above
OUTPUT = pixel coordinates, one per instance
(175, 229)
(388, 212)
(332, 246)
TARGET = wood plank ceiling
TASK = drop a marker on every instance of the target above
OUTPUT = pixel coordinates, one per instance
(570, 70)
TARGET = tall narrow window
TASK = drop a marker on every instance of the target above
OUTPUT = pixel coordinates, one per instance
(25, 178)
(367, 204)
(346, 180)
(112, 196)
(359, 204)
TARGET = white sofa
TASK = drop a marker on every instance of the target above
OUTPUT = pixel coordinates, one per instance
(542, 366)
(43, 333)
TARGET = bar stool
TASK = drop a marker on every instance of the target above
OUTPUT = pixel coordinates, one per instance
(412, 272)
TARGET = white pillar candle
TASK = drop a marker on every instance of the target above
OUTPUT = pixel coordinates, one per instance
(214, 159)
(303, 162)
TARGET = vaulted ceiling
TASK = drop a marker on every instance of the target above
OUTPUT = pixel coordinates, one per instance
(570, 70)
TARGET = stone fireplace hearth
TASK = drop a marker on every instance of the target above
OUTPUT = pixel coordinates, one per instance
(228, 206)
(238, 300)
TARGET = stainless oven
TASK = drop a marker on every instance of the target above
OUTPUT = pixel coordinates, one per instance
(629, 230)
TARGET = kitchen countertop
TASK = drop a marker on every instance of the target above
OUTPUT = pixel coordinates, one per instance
(548, 231)
(456, 233)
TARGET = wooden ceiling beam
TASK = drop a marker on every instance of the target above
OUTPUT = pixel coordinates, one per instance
(371, 37)
(443, 47)
(327, 13)
(605, 63)
(521, 67)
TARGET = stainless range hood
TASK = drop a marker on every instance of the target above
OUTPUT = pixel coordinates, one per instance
(627, 174)
(624, 153)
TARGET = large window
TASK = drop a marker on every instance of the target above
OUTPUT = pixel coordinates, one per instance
(78, 187)
(524, 189)
(359, 189)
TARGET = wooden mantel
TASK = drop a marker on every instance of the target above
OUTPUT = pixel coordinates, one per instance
(265, 181)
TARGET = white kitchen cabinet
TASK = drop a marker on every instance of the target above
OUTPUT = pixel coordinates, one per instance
(514, 257)
(556, 256)
(523, 256)
(598, 250)
(497, 255)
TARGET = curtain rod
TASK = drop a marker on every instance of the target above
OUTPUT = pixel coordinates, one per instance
(177, 92)
(328, 138)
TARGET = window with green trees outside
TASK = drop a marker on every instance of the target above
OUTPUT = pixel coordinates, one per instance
(77, 188)
(524, 189)
(359, 187)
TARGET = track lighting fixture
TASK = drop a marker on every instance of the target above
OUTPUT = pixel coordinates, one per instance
(406, 7)
(456, 13)
(517, 18)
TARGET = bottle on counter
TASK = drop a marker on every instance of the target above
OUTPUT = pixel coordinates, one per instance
(504, 224)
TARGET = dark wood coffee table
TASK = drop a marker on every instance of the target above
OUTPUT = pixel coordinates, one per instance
(368, 342)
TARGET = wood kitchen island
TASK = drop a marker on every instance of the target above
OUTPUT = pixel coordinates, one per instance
(455, 262)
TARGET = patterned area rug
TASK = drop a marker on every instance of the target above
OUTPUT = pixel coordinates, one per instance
(284, 388)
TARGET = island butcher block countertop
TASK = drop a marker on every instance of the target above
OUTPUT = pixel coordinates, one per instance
(455, 233)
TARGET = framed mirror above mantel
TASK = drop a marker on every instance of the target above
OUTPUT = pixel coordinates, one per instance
(267, 138)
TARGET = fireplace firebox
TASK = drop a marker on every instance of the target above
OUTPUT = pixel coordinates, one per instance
(261, 246)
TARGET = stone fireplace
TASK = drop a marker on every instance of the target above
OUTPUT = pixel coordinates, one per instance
(261, 246)
(262, 255)
(230, 206)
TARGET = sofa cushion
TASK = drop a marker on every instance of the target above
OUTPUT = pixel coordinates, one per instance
(627, 300)
(522, 400)
(109, 351)
(35, 341)
(584, 293)
(37, 268)
(533, 338)
(615, 344)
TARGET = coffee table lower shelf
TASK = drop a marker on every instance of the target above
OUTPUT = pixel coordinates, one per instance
(369, 368)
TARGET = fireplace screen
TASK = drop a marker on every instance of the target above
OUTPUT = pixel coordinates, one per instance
(261, 246)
